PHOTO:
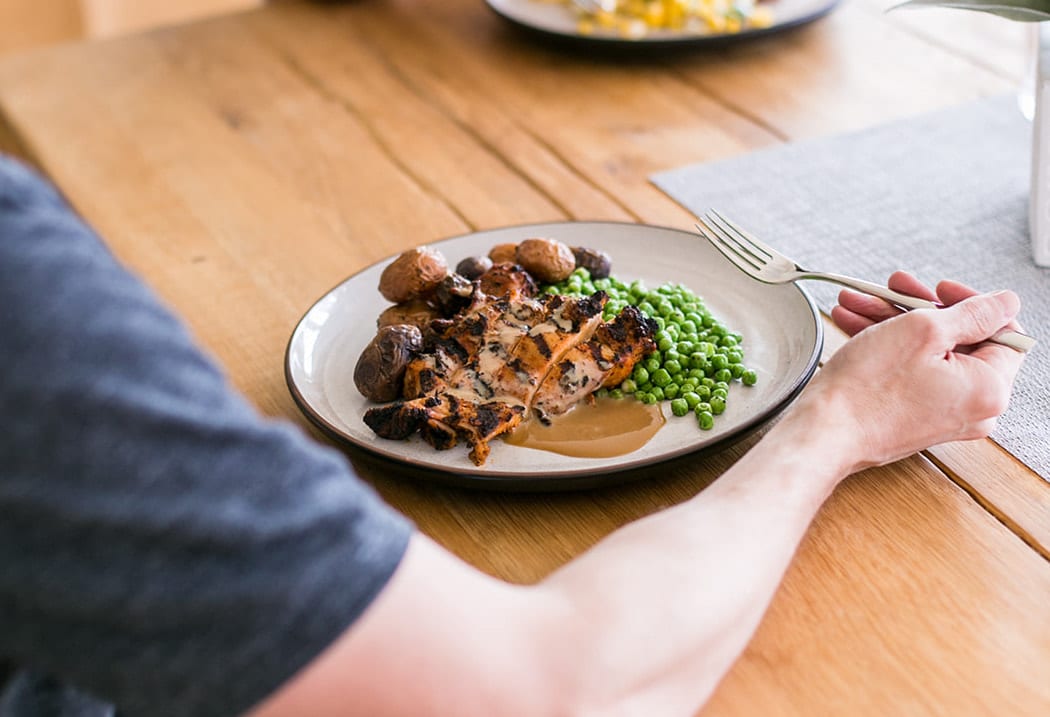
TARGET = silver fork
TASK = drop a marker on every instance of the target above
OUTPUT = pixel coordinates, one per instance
(763, 262)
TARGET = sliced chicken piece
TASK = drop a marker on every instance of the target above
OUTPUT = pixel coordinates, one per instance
(443, 418)
(605, 360)
(571, 321)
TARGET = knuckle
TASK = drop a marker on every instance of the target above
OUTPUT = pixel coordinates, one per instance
(989, 403)
(976, 313)
(925, 325)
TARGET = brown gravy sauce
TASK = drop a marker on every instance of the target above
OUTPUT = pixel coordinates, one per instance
(610, 427)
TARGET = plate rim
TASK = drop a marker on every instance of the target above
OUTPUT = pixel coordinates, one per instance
(665, 41)
(549, 478)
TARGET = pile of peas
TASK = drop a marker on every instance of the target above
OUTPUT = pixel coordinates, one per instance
(696, 356)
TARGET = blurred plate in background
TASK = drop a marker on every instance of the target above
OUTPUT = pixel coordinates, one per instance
(557, 19)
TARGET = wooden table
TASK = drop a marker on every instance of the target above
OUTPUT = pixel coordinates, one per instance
(245, 165)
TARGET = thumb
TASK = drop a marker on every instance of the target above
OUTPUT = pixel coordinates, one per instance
(978, 317)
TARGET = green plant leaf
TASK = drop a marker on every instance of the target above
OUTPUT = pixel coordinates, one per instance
(1020, 10)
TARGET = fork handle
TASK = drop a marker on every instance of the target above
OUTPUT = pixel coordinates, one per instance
(1007, 337)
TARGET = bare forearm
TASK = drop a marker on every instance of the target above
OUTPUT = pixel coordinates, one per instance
(646, 622)
(665, 605)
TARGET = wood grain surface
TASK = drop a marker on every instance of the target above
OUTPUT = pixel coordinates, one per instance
(243, 166)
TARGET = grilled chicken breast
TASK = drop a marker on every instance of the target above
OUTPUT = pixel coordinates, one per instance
(506, 355)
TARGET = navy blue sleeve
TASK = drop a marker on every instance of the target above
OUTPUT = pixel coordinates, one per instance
(162, 547)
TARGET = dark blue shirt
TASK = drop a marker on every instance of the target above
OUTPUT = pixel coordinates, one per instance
(163, 548)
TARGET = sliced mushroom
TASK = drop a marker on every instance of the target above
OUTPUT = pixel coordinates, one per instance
(453, 294)
(416, 313)
(598, 263)
(474, 266)
(415, 273)
(381, 367)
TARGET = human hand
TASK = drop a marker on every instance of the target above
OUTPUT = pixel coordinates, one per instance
(906, 381)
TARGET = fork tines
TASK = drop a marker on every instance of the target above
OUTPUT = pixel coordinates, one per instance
(726, 245)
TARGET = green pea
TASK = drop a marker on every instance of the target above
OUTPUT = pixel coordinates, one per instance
(652, 363)
(750, 378)
(737, 369)
(661, 377)
(665, 343)
(691, 399)
(640, 374)
(657, 393)
(721, 393)
(706, 420)
(629, 385)
(671, 390)
(703, 392)
(718, 405)
(616, 393)
(735, 356)
(723, 375)
(672, 366)
(679, 407)
(719, 361)
(646, 398)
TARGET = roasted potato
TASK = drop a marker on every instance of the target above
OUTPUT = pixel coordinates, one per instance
(548, 260)
(503, 253)
(381, 367)
(414, 274)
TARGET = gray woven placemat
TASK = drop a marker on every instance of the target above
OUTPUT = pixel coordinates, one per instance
(943, 195)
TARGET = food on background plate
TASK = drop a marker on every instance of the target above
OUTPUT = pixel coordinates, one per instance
(529, 339)
(636, 19)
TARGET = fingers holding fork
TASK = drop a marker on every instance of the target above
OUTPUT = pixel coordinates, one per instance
(856, 312)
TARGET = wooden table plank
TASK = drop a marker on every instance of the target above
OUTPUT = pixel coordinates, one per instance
(250, 163)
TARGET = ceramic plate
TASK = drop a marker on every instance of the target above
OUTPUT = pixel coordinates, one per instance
(557, 20)
(780, 324)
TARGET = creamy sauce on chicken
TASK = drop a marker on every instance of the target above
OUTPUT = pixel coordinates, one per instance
(611, 427)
